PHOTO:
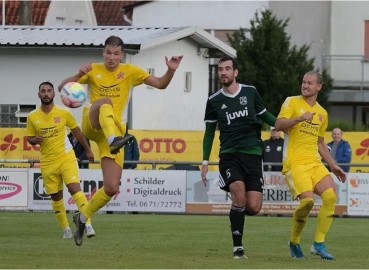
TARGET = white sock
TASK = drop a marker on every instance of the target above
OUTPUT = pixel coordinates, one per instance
(82, 218)
(88, 225)
(66, 228)
(111, 139)
(235, 248)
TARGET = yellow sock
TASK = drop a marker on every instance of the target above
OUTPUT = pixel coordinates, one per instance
(60, 213)
(300, 217)
(106, 119)
(325, 215)
(98, 200)
(81, 202)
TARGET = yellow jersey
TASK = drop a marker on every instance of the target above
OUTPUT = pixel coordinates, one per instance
(53, 128)
(115, 85)
(301, 142)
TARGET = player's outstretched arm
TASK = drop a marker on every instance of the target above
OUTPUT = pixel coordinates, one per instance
(163, 81)
(84, 69)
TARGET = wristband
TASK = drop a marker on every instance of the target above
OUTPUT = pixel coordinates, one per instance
(205, 162)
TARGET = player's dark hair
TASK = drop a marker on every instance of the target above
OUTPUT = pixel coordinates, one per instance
(45, 83)
(114, 41)
(228, 58)
(319, 77)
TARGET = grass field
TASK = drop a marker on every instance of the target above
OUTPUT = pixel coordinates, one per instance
(34, 240)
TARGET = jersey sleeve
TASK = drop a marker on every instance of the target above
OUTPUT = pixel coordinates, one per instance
(259, 105)
(138, 75)
(323, 127)
(286, 109)
(71, 121)
(210, 114)
(30, 129)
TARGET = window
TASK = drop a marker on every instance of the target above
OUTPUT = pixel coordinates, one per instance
(188, 81)
(60, 21)
(78, 22)
(366, 40)
(23, 111)
(7, 117)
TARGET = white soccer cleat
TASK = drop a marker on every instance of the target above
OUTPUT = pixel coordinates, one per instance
(67, 233)
(90, 232)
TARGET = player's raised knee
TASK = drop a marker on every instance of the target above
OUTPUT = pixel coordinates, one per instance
(252, 211)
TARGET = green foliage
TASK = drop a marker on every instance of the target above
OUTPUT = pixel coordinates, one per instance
(345, 125)
(269, 62)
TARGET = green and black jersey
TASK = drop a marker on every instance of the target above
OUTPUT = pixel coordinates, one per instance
(240, 118)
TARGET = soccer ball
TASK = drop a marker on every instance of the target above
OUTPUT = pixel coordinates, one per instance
(73, 95)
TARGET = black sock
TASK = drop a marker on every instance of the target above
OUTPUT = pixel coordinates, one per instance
(237, 219)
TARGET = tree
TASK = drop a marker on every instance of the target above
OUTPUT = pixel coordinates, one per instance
(269, 62)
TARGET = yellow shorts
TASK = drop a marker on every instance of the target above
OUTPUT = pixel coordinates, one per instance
(302, 178)
(99, 138)
(65, 170)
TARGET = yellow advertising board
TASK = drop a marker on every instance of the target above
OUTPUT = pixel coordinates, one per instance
(163, 146)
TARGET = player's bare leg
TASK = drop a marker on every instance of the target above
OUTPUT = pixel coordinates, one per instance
(112, 173)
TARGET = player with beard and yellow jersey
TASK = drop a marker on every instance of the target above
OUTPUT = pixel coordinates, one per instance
(47, 126)
(103, 121)
(305, 123)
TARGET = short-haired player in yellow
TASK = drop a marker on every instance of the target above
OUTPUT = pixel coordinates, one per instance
(47, 126)
(103, 121)
(305, 123)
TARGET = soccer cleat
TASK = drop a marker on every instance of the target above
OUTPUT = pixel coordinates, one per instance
(296, 251)
(239, 254)
(67, 233)
(90, 232)
(78, 235)
(119, 142)
(320, 250)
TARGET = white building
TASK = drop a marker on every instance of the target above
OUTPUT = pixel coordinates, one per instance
(33, 55)
(338, 33)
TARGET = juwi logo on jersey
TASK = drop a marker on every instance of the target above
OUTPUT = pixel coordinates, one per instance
(234, 115)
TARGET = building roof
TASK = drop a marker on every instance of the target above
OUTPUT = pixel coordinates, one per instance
(111, 12)
(12, 10)
(133, 37)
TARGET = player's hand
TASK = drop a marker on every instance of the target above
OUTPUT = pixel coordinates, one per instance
(90, 156)
(84, 69)
(204, 171)
(341, 175)
(38, 139)
(174, 62)
(307, 116)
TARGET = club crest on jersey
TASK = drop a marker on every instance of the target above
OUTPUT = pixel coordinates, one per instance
(56, 120)
(243, 100)
(120, 75)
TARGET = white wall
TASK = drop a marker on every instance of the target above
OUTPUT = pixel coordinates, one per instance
(71, 11)
(309, 24)
(22, 72)
(172, 108)
(347, 38)
(205, 14)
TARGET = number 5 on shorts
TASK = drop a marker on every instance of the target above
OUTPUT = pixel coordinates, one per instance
(228, 173)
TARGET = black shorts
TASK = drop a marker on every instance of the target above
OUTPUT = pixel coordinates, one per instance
(239, 166)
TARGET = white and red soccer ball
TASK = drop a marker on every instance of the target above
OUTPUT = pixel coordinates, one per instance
(73, 95)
